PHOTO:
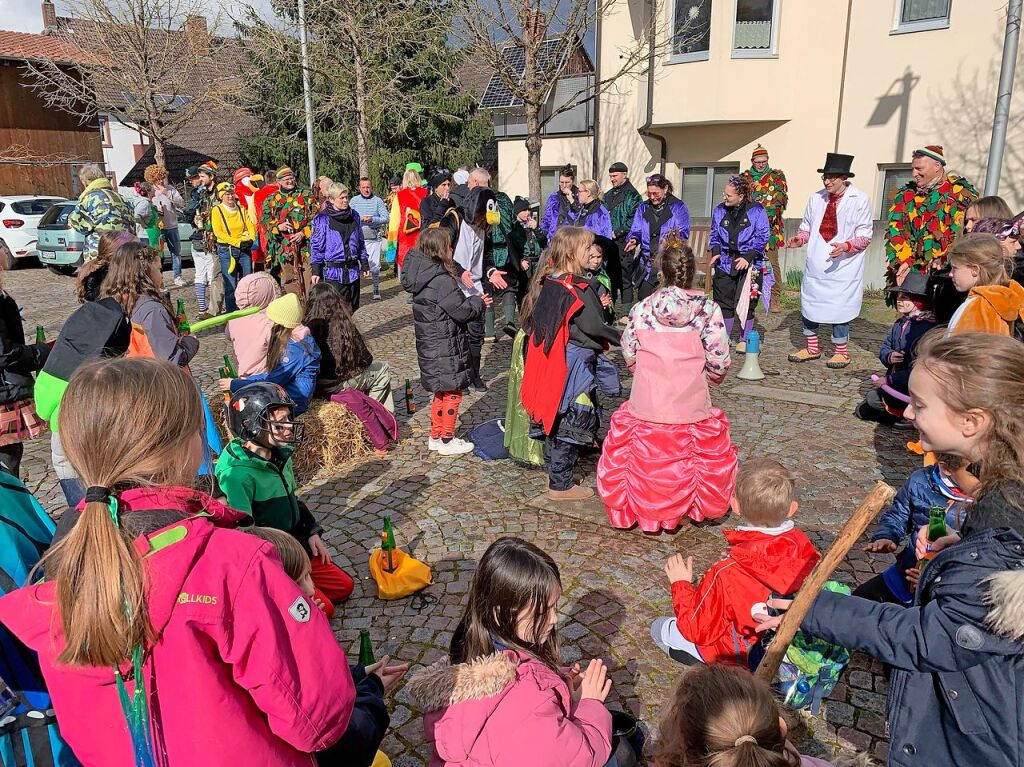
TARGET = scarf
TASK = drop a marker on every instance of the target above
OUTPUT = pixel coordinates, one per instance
(343, 222)
(758, 176)
(829, 226)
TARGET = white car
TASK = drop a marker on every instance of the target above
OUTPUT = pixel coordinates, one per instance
(19, 217)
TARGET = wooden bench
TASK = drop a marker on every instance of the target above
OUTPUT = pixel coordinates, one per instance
(699, 237)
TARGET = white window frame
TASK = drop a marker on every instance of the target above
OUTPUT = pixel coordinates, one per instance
(685, 58)
(928, 25)
(883, 169)
(709, 190)
(772, 52)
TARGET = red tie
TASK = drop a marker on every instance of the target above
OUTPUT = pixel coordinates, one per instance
(829, 222)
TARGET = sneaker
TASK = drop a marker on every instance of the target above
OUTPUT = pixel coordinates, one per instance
(479, 384)
(741, 347)
(903, 424)
(838, 361)
(804, 356)
(204, 316)
(455, 446)
(180, 282)
(434, 444)
(574, 493)
(376, 297)
(664, 633)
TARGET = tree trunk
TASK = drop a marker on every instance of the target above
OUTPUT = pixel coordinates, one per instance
(362, 125)
(533, 145)
(158, 150)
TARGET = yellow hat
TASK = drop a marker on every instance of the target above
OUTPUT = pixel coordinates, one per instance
(223, 188)
(285, 311)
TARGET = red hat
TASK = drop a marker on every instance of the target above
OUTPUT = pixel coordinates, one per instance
(934, 151)
(240, 174)
(759, 151)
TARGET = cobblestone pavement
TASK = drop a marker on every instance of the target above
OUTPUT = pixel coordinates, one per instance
(446, 511)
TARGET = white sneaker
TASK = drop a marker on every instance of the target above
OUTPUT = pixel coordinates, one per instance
(180, 282)
(455, 447)
(434, 444)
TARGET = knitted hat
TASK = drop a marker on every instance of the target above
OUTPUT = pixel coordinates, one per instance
(461, 176)
(240, 174)
(439, 177)
(618, 167)
(209, 167)
(759, 151)
(520, 204)
(223, 188)
(285, 311)
(283, 171)
(256, 289)
(934, 151)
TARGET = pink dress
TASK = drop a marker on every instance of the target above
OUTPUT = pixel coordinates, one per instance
(668, 454)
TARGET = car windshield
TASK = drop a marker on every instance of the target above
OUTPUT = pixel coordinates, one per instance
(35, 207)
(57, 215)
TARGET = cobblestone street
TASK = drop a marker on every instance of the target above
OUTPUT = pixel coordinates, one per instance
(446, 511)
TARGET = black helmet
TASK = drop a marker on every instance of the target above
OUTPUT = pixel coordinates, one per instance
(248, 413)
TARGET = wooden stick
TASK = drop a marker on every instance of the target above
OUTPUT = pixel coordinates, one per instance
(858, 522)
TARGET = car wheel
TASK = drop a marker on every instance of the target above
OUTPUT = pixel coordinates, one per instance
(63, 271)
(7, 259)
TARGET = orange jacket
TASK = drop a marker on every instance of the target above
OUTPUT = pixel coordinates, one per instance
(991, 309)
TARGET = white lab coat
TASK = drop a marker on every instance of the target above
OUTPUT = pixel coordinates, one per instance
(469, 254)
(833, 288)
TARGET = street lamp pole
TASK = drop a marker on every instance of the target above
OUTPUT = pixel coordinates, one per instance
(307, 94)
(1003, 96)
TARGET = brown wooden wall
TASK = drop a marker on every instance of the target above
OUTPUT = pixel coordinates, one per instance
(25, 120)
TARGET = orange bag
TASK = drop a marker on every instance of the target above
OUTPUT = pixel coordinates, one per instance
(410, 575)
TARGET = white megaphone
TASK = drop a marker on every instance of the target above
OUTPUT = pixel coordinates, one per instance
(751, 370)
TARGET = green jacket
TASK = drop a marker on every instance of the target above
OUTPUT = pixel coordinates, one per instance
(265, 490)
(622, 203)
(499, 234)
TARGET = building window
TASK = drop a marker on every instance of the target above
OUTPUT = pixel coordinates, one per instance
(691, 31)
(702, 187)
(754, 31)
(105, 132)
(922, 15)
(894, 177)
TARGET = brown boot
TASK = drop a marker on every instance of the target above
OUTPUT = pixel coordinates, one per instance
(574, 493)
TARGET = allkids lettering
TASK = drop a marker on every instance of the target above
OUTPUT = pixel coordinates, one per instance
(184, 598)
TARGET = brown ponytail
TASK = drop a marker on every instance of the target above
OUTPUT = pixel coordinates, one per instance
(124, 423)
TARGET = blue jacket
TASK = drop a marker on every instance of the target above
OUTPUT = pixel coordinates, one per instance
(956, 692)
(679, 218)
(296, 372)
(598, 220)
(747, 239)
(331, 257)
(558, 211)
(903, 337)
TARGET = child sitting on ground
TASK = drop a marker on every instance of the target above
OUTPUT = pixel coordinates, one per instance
(947, 484)
(255, 474)
(726, 716)
(714, 621)
(886, 402)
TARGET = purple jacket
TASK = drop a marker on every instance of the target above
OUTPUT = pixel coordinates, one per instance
(599, 221)
(746, 237)
(679, 218)
(558, 212)
(333, 259)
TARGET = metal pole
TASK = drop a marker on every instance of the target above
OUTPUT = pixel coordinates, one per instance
(306, 93)
(1003, 96)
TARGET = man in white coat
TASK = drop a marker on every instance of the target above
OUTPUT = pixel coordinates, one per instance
(836, 230)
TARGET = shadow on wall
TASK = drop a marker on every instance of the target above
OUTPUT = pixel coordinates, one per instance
(896, 99)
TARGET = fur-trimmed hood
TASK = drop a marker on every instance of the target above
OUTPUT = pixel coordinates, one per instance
(442, 684)
(1005, 599)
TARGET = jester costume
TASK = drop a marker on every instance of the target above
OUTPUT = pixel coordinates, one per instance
(297, 207)
(768, 188)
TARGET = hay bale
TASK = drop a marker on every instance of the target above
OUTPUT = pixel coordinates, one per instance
(332, 437)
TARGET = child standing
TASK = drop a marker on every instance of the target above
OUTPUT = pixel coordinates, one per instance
(958, 667)
(255, 474)
(441, 313)
(946, 484)
(566, 331)
(500, 699)
(994, 302)
(668, 456)
(714, 621)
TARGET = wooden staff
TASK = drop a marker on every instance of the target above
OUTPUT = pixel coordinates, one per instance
(858, 522)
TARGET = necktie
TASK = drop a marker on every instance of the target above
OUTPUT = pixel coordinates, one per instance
(829, 222)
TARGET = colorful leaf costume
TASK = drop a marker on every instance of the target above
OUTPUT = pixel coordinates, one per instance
(770, 190)
(297, 207)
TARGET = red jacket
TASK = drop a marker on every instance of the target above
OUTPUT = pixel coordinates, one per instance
(716, 615)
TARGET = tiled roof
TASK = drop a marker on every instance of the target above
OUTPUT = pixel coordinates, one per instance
(24, 46)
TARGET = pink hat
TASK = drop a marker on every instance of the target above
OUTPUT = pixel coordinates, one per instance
(240, 174)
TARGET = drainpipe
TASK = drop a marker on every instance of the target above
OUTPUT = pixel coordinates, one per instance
(645, 129)
(595, 132)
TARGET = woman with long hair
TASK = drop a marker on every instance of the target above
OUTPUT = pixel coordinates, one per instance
(659, 213)
(345, 361)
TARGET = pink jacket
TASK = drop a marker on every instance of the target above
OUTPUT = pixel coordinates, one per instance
(675, 344)
(508, 710)
(242, 668)
(250, 335)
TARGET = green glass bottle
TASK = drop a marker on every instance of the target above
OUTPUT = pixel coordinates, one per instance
(936, 529)
(387, 546)
(229, 367)
(40, 334)
(410, 403)
(183, 327)
(365, 649)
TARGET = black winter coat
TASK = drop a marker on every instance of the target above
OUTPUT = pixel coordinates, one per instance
(956, 696)
(18, 360)
(440, 311)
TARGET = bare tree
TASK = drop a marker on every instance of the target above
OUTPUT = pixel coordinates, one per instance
(20, 154)
(152, 64)
(546, 34)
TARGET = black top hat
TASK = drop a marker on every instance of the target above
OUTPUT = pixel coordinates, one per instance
(914, 284)
(838, 164)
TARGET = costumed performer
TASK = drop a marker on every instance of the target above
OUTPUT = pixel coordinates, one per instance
(404, 222)
(660, 212)
(768, 188)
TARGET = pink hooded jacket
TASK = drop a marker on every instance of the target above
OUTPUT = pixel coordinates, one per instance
(242, 667)
(249, 335)
(509, 710)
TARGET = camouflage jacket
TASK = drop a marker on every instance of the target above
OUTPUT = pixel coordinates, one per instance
(100, 210)
(198, 210)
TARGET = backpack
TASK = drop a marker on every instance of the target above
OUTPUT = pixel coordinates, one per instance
(811, 668)
(489, 440)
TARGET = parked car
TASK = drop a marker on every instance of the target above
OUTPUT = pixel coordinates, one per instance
(19, 218)
(61, 248)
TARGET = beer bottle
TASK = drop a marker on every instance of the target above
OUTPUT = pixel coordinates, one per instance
(410, 403)
(365, 649)
(936, 529)
(40, 334)
(183, 327)
(229, 367)
(387, 546)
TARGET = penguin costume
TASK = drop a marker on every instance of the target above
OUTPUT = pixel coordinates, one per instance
(474, 252)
